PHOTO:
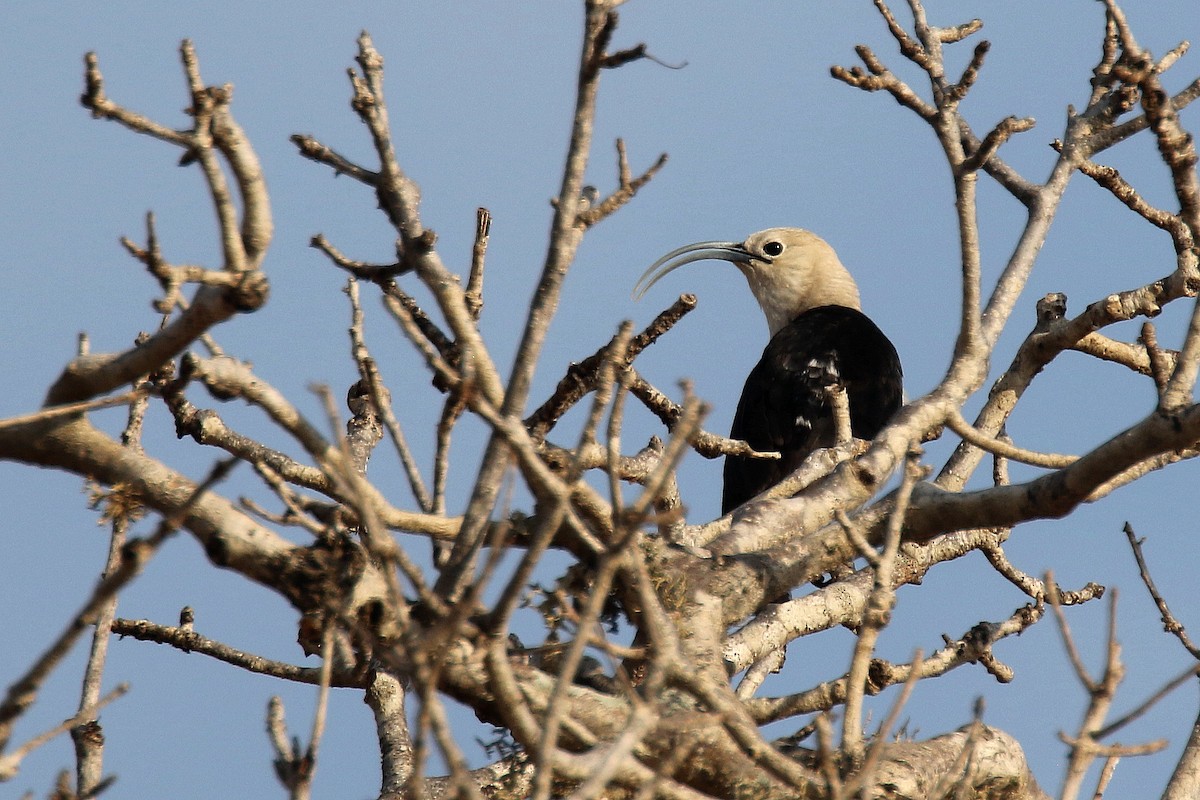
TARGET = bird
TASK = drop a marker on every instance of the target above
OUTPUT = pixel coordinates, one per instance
(820, 338)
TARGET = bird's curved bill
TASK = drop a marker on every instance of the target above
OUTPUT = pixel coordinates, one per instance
(698, 251)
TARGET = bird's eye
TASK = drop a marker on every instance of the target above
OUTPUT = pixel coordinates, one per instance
(773, 248)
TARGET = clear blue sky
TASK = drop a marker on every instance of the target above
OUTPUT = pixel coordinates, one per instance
(479, 93)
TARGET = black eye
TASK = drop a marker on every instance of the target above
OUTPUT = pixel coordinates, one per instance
(773, 248)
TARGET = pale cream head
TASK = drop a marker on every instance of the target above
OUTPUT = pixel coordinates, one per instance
(790, 270)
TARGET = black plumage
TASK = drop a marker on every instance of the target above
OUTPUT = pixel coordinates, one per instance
(819, 338)
(785, 406)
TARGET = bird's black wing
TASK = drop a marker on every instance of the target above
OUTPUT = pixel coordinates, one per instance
(784, 406)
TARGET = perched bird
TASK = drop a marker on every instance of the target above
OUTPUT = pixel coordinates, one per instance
(819, 339)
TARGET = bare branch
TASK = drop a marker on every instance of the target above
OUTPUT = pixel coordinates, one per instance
(187, 640)
(359, 269)
(993, 141)
(999, 447)
(880, 77)
(1170, 622)
(973, 647)
(312, 149)
(581, 377)
(385, 696)
(1111, 179)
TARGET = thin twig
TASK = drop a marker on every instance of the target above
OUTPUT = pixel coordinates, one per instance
(581, 376)
(10, 763)
(322, 709)
(877, 614)
(88, 738)
(189, 641)
(1171, 623)
(380, 397)
(972, 435)
(68, 409)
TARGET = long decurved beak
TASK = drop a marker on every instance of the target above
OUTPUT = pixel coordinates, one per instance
(733, 252)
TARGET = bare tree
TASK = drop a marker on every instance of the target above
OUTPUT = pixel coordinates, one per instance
(659, 634)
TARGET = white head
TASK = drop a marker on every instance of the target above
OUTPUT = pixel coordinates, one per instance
(789, 270)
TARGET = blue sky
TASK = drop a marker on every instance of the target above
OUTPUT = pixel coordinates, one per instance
(479, 93)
